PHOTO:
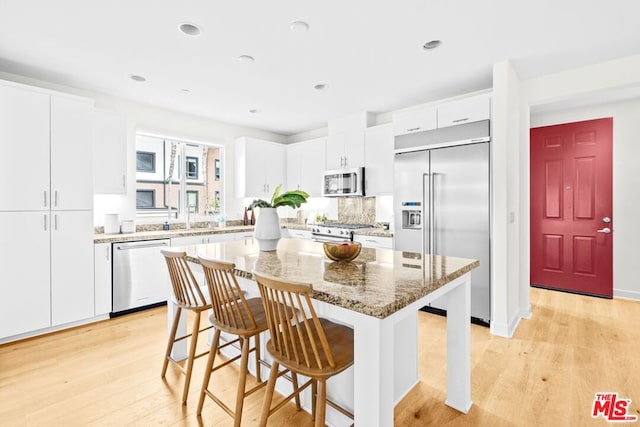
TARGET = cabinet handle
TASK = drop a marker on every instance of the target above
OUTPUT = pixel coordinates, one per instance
(108, 253)
(346, 161)
(461, 120)
(45, 198)
(45, 222)
(124, 181)
(55, 222)
(55, 198)
(413, 129)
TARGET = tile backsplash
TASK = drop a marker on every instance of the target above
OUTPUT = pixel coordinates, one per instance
(357, 210)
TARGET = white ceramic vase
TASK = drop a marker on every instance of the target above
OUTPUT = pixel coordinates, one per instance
(267, 231)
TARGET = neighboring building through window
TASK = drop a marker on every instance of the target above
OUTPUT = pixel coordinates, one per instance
(179, 175)
(145, 161)
(145, 199)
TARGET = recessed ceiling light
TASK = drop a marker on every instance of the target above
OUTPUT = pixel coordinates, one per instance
(247, 59)
(299, 26)
(189, 29)
(185, 90)
(137, 78)
(432, 44)
(320, 86)
(254, 111)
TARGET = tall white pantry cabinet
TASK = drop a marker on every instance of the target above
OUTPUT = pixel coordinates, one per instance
(46, 202)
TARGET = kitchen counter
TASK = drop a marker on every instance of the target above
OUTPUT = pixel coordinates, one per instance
(375, 231)
(379, 295)
(151, 235)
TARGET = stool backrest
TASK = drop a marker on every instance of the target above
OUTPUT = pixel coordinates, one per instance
(230, 308)
(185, 286)
(296, 331)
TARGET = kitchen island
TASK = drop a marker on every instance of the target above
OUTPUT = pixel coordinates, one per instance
(378, 295)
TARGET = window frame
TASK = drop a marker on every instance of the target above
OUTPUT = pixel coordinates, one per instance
(153, 161)
(147, 191)
(187, 172)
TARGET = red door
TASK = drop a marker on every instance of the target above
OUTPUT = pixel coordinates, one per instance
(571, 207)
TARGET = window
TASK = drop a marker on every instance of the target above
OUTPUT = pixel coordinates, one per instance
(192, 167)
(175, 177)
(192, 201)
(145, 199)
(217, 169)
(145, 161)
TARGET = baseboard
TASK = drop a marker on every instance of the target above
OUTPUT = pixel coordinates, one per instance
(507, 330)
(621, 293)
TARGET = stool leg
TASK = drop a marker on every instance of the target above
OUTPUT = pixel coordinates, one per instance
(268, 396)
(208, 370)
(242, 381)
(321, 403)
(172, 338)
(257, 344)
(294, 380)
(192, 355)
(314, 398)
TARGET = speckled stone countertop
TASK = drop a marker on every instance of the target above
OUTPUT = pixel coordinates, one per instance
(151, 235)
(378, 282)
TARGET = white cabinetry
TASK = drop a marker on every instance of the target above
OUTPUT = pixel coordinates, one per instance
(25, 304)
(296, 234)
(466, 110)
(378, 164)
(305, 166)
(109, 152)
(374, 241)
(345, 149)
(421, 119)
(72, 288)
(102, 278)
(202, 239)
(260, 167)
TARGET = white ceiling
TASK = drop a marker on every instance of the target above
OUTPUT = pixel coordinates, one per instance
(368, 52)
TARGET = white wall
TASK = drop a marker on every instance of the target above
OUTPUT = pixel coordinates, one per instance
(626, 183)
(167, 123)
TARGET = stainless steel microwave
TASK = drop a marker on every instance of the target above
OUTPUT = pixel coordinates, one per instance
(343, 182)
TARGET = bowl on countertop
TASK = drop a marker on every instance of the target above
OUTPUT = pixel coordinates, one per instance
(342, 251)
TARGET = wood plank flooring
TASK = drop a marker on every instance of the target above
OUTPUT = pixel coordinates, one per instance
(108, 373)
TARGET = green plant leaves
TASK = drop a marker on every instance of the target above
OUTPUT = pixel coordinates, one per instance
(294, 198)
(259, 204)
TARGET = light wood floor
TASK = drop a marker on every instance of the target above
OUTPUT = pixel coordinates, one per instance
(107, 374)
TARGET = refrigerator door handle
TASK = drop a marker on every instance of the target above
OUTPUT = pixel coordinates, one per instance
(426, 211)
(433, 244)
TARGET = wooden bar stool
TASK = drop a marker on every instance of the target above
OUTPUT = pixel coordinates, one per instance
(303, 344)
(187, 295)
(242, 317)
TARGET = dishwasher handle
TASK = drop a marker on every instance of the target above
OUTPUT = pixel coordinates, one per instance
(127, 247)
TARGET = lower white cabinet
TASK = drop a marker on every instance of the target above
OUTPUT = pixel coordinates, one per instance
(47, 268)
(102, 278)
(296, 234)
(374, 241)
(24, 260)
(202, 239)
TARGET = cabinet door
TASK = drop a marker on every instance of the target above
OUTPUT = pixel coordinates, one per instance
(24, 262)
(295, 157)
(415, 121)
(374, 241)
(102, 278)
(463, 111)
(312, 159)
(72, 296)
(109, 152)
(378, 172)
(274, 167)
(71, 158)
(254, 166)
(354, 148)
(24, 143)
(335, 151)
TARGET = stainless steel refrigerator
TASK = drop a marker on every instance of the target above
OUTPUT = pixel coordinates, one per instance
(441, 201)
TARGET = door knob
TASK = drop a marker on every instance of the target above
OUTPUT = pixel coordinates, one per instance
(605, 230)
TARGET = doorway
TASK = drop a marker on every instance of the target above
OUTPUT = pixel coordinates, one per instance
(571, 207)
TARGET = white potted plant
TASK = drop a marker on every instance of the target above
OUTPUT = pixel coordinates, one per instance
(267, 231)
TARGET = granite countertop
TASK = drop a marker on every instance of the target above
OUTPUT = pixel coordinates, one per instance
(378, 282)
(159, 234)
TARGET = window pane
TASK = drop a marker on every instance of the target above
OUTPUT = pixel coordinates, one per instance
(192, 168)
(145, 199)
(192, 201)
(145, 162)
(217, 169)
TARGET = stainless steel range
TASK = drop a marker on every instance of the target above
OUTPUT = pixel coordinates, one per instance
(335, 232)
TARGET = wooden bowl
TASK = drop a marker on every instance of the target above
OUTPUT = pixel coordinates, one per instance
(342, 251)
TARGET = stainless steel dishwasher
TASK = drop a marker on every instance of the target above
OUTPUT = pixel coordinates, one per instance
(140, 275)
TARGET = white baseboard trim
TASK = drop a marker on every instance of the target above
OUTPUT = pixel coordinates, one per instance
(621, 293)
(507, 330)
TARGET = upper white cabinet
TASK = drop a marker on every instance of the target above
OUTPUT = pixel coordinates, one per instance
(305, 166)
(71, 158)
(260, 167)
(378, 160)
(418, 120)
(24, 143)
(345, 149)
(467, 110)
(109, 152)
